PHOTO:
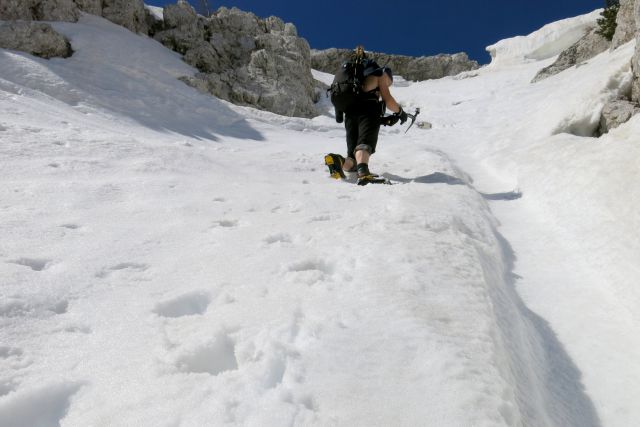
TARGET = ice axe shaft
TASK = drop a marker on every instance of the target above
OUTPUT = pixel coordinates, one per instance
(413, 118)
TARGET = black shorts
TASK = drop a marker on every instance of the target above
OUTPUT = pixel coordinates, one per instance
(362, 128)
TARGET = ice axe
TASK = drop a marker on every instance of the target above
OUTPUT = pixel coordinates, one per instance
(413, 118)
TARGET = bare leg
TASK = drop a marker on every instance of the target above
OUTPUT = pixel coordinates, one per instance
(348, 164)
(362, 156)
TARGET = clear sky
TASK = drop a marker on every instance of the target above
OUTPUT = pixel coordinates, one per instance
(421, 27)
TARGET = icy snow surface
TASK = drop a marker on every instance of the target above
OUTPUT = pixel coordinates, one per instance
(170, 259)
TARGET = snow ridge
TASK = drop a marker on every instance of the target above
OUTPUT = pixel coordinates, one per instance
(544, 43)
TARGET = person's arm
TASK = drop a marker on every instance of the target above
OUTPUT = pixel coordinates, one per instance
(383, 87)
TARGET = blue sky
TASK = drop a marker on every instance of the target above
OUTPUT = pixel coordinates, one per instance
(412, 27)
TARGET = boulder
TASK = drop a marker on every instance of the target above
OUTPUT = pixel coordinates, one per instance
(411, 68)
(93, 7)
(183, 29)
(584, 49)
(55, 10)
(15, 10)
(616, 113)
(36, 38)
(625, 24)
(39, 10)
(130, 14)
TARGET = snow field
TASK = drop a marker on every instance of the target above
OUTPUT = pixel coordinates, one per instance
(170, 259)
(176, 280)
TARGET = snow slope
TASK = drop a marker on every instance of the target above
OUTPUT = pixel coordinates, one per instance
(171, 259)
(575, 230)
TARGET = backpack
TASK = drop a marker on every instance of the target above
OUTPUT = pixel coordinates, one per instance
(346, 89)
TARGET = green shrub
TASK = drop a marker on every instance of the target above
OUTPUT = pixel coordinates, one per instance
(607, 24)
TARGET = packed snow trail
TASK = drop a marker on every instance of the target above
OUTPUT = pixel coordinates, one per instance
(576, 229)
(172, 259)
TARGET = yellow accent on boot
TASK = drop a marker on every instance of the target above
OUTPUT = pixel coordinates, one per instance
(328, 160)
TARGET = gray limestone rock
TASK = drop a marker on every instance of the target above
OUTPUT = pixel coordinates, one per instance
(625, 24)
(15, 10)
(183, 29)
(55, 10)
(39, 10)
(244, 59)
(635, 61)
(411, 68)
(616, 113)
(179, 15)
(130, 14)
(36, 38)
(203, 57)
(584, 49)
(93, 7)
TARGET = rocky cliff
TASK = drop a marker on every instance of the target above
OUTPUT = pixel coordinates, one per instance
(593, 44)
(635, 62)
(243, 59)
(625, 105)
(620, 110)
(411, 68)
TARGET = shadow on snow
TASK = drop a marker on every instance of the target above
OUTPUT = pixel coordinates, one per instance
(443, 178)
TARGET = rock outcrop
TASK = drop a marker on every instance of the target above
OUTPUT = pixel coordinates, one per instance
(584, 49)
(625, 24)
(36, 38)
(128, 13)
(615, 113)
(635, 61)
(243, 59)
(411, 68)
(39, 10)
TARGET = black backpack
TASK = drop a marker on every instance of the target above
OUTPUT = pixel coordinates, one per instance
(347, 83)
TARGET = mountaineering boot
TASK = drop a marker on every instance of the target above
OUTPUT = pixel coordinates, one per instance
(363, 170)
(366, 177)
(334, 162)
(372, 179)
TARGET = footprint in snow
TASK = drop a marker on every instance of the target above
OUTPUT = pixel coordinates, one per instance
(225, 223)
(189, 304)
(60, 307)
(77, 329)
(36, 264)
(311, 265)
(309, 271)
(7, 352)
(52, 402)
(277, 238)
(321, 218)
(130, 266)
(70, 226)
(213, 357)
(7, 386)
